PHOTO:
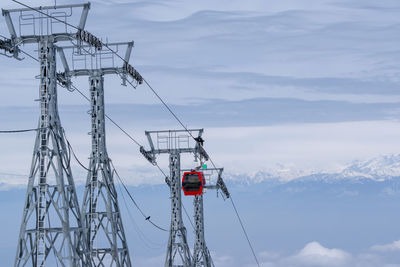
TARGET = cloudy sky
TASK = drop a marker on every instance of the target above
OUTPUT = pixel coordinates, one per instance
(309, 85)
(297, 86)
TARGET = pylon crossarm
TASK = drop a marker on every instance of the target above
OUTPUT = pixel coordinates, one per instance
(83, 60)
(35, 22)
(88, 72)
(150, 157)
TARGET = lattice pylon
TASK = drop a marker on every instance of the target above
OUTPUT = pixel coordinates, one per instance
(51, 232)
(178, 252)
(201, 254)
(106, 239)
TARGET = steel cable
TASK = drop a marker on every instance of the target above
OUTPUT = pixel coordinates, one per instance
(21, 130)
(147, 218)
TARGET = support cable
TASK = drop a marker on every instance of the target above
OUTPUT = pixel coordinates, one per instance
(67, 160)
(168, 108)
(29, 55)
(147, 218)
(13, 174)
(21, 130)
(165, 176)
(119, 127)
(108, 117)
(148, 243)
(45, 14)
(244, 231)
(187, 215)
(76, 158)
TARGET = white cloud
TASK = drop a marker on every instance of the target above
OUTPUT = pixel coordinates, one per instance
(223, 260)
(286, 150)
(308, 147)
(314, 254)
(395, 246)
(269, 255)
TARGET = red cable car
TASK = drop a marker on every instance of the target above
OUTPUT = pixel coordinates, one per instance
(192, 183)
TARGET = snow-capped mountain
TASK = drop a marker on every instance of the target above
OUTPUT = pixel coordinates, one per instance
(380, 168)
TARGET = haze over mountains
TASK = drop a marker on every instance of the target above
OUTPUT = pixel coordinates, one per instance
(343, 219)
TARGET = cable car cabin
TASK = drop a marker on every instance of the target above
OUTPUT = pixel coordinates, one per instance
(192, 183)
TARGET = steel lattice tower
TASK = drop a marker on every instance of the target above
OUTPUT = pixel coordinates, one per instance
(175, 142)
(177, 242)
(106, 236)
(51, 231)
(201, 254)
(107, 244)
(48, 195)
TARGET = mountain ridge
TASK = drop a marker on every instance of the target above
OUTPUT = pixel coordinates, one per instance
(378, 169)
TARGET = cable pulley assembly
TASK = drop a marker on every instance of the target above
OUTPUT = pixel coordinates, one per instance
(148, 155)
(89, 38)
(133, 72)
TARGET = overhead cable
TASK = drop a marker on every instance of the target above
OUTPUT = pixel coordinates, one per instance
(21, 130)
(147, 218)
(146, 241)
(244, 231)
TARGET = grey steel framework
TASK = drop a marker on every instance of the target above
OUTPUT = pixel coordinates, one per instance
(106, 239)
(201, 254)
(175, 142)
(51, 230)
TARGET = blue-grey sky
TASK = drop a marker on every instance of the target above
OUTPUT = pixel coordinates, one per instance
(266, 77)
(280, 64)
(235, 50)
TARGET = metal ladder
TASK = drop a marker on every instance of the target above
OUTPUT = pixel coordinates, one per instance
(94, 183)
(42, 186)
